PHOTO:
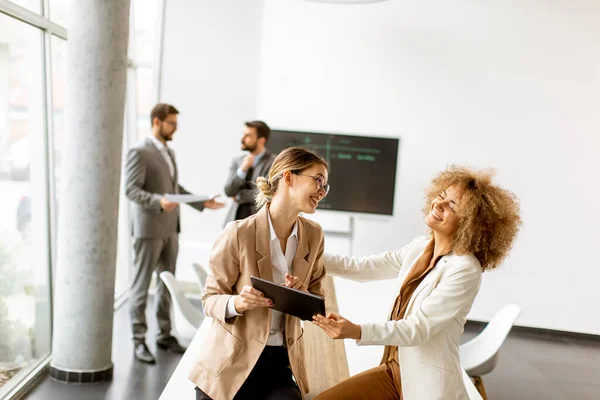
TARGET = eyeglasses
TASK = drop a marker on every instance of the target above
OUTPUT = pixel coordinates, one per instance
(319, 180)
(173, 124)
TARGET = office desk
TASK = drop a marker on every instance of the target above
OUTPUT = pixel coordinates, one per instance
(179, 387)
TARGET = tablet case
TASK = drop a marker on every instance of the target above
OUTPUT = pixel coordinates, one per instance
(290, 301)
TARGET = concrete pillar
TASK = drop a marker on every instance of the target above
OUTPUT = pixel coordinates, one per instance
(89, 194)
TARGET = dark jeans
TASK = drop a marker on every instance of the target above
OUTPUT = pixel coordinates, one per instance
(270, 379)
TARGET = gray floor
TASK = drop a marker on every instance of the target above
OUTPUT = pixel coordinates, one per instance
(131, 379)
(539, 367)
(531, 367)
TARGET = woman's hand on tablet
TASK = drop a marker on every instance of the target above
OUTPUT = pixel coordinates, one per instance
(250, 298)
(294, 282)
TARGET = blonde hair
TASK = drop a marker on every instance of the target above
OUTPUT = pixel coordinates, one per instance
(293, 159)
(489, 215)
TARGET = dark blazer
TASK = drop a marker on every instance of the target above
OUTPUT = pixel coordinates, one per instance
(239, 188)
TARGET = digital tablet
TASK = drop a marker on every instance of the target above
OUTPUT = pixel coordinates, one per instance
(290, 301)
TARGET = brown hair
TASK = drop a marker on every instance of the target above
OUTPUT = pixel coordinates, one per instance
(293, 159)
(262, 129)
(489, 215)
(160, 111)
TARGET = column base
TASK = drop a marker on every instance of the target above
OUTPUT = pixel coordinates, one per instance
(81, 376)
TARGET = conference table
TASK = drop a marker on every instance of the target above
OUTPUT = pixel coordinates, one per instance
(179, 387)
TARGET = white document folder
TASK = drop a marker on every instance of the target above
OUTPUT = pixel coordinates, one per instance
(186, 198)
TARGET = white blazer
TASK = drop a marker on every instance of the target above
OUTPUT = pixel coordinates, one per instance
(428, 336)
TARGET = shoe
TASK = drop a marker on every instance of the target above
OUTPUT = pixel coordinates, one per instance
(170, 344)
(143, 354)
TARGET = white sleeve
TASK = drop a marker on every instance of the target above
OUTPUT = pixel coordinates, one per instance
(370, 268)
(231, 312)
(240, 173)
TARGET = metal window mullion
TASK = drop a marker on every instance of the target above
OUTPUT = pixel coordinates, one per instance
(50, 153)
(158, 58)
(46, 9)
(21, 13)
(131, 137)
(49, 163)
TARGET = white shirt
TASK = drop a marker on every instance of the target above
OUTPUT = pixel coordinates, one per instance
(282, 264)
(164, 152)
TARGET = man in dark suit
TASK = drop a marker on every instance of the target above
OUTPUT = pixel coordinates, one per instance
(246, 168)
(150, 173)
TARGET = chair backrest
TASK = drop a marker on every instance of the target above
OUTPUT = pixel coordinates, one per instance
(486, 345)
(183, 307)
(201, 274)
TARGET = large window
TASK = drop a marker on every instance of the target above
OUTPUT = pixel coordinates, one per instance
(25, 316)
(141, 97)
(32, 5)
(144, 53)
(33, 85)
(59, 10)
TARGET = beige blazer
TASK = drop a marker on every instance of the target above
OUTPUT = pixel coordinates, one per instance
(233, 346)
(428, 336)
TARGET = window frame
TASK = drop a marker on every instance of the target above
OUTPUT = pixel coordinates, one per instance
(50, 29)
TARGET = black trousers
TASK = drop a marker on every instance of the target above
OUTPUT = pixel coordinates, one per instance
(270, 379)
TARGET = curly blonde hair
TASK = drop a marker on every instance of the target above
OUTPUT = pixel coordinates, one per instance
(293, 159)
(489, 215)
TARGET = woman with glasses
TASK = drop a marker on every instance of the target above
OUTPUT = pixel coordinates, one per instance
(252, 351)
(472, 225)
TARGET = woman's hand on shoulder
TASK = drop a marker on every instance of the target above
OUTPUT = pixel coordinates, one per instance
(250, 298)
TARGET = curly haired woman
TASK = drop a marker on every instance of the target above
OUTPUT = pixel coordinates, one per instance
(472, 224)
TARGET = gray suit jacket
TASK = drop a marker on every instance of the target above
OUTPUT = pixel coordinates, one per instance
(238, 188)
(147, 179)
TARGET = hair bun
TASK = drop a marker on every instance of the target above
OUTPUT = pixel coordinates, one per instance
(265, 193)
(264, 186)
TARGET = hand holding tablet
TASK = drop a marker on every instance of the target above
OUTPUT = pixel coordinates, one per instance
(289, 300)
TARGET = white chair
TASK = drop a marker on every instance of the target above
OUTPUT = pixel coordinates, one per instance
(187, 317)
(471, 389)
(480, 355)
(201, 275)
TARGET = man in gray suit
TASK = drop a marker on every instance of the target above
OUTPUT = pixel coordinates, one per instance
(151, 172)
(246, 168)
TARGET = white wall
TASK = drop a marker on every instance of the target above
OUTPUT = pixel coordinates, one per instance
(513, 85)
(210, 69)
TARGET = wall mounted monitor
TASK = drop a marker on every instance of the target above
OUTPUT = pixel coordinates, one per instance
(362, 168)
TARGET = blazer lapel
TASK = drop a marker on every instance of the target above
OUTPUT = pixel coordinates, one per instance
(410, 262)
(259, 169)
(426, 281)
(300, 267)
(263, 245)
(160, 157)
(418, 290)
